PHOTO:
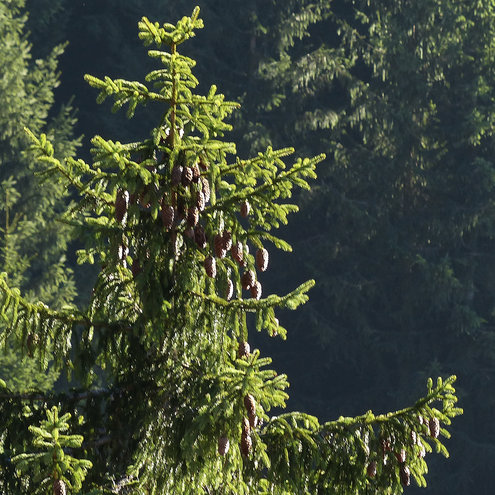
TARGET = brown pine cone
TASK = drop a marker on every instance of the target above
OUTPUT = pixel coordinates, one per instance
(135, 268)
(205, 187)
(223, 445)
(262, 259)
(245, 208)
(203, 163)
(176, 175)
(401, 456)
(230, 290)
(168, 215)
(187, 176)
(59, 488)
(248, 279)
(121, 205)
(246, 428)
(195, 172)
(413, 437)
(220, 251)
(256, 290)
(243, 350)
(246, 445)
(227, 240)
(200, 200)
(200, 236)
(422, 451)
(250, 405)
(405, 475)
(192, 216)
(371, 469)
(189, 233)
(211, 266)
(237, 252)
(434, 427)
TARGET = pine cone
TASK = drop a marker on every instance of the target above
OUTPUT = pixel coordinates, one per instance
(195, 172)
(371, 469)
(200, 200)
(262, 259)
(246, 429)
(176, 175)
(227, 240)
(413, 437)
(189, 233)
(211, 266)
(31, 343)
(205, 187)
(59, 488)
(220, 251)
(200, 236)
(248, 279)
(223, 445)
(230, 290)
(256, 290)
(192, 216)
(434, 427)
(187, 176)
(243, 350)
(237, 252)
(245, 208)
(168, 215)
(203, 163)
(422, 451)
(121, 205)
(250, 405)
(246, 445)
(405, 475)
(135, 268)
(401, 456)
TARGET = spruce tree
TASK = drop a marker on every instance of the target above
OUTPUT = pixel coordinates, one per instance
(182, 229)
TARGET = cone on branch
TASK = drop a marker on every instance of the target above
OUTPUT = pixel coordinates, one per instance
(200, 236)
(176, 175)
(121, 205)
(246, 445)
(237, 252)
(200, 200)
(371, 469)
(223, 445)
(243, 350)
(262, 259)
(405, 475)
(227, 240)
(205, 187)
(168, 215)
(245, 208)
(59, 488)
(248, 279)
(187, 176)
(401, 456)
(220, 250)
(230, 290)
(246, 428)
(211, 266)
(192, 216)
(195, 173)
(255, 290)
(250, 405)
(434, 427)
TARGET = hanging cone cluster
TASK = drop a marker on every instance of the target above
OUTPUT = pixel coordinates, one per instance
(59, 488)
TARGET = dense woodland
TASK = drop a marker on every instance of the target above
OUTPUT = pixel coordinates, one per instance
(397, 230)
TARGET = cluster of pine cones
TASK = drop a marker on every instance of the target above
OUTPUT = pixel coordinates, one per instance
(181, 206)
(430, 426)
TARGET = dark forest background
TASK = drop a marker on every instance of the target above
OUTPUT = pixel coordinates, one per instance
(398, 230)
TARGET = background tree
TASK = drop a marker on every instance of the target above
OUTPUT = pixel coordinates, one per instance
(170, 217)
(398, 230)
(33, 242)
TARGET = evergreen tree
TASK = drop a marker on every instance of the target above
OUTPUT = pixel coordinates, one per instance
(398, 230)
(32, 241)
(186, 406)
